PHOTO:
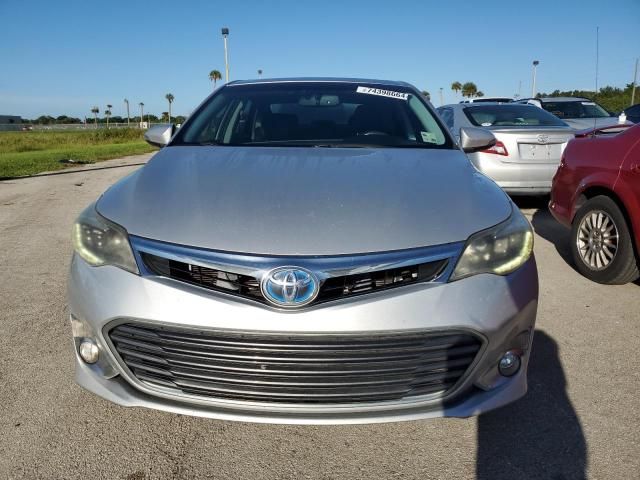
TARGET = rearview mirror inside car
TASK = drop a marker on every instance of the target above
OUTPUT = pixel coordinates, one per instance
(476, 139)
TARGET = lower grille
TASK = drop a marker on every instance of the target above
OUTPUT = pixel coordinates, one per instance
(320, 369)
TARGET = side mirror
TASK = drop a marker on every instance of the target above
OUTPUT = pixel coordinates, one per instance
(476, 139)
(159, 135)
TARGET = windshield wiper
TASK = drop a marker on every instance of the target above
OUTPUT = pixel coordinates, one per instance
(208, 143)
(345, 145)
(417, 145)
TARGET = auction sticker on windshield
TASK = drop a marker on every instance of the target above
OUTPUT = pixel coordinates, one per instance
(383, 93)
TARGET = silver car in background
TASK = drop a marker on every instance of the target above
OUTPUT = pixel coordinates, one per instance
(579, 113)
(529, 144)
(306, 251)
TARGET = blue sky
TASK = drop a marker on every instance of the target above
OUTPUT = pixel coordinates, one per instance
(63, 57)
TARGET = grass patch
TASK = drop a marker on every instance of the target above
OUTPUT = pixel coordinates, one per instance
(27, 153)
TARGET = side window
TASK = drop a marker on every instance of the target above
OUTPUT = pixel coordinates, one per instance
(447, 117)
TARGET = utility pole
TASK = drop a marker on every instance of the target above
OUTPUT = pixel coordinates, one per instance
(533, 83)
(633, 85)
(225, 34)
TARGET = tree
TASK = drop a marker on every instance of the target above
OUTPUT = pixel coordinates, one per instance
(63, 119)
(107, 113)
(45, 120)
(95, 111)
(426, 94)
(169, 97)
(214, 76)
(126, 102)
(469, 89)
(479, 93)
(141, 113)
(165, 116)
(456, 87)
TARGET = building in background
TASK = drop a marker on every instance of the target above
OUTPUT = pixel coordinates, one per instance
(10, 122)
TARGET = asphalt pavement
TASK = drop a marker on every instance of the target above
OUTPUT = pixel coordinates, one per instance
(579, 419)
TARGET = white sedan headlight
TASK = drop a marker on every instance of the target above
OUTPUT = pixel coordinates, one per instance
(499, 250)
(101, 242)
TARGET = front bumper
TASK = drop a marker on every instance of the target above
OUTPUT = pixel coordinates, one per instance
(496, 308)
(560, 212)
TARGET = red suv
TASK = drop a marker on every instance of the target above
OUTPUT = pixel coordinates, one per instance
(596, 191)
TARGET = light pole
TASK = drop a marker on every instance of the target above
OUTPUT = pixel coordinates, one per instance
(633, 88)
(441, 100)
(126, 102)
(225, 34)
(533, 83)
(141, 113)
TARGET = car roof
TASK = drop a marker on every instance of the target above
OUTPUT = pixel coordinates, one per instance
(487, 104)
(395, 83)
(558, 99)
(488, 100)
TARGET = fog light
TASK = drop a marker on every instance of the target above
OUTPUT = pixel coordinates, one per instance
(89, 351)
(509, 364)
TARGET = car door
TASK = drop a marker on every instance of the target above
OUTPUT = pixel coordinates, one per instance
(628, 184)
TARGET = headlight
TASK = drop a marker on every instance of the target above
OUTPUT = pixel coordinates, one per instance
(101, 242)
(499, 250)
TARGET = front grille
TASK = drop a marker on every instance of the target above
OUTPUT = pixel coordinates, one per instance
(332, 289)
(242, 285)
(310, 369)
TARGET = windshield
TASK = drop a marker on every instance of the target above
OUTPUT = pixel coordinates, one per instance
(314, 114)
(577, 109)
(511, 116)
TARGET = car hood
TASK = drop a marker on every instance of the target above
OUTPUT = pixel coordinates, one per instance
(305, 201)
(584, 123)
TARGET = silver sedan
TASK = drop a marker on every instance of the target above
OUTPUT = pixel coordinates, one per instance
(530, 142)
(306, 251)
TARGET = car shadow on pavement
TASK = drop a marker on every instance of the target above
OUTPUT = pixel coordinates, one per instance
(545, 225)
(553, 231)
(540, 435)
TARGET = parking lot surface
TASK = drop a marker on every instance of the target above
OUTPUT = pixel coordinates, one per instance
(579, 419)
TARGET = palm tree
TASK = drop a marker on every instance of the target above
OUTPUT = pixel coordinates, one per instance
(469, 89)
(169, 97)
(456, 87)
(126, 102)
(479, 93)
(107, 113)
(95, 111)
(141, 113)
(214, 76)
(259, 73)
(165, 115)
(426, 94)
